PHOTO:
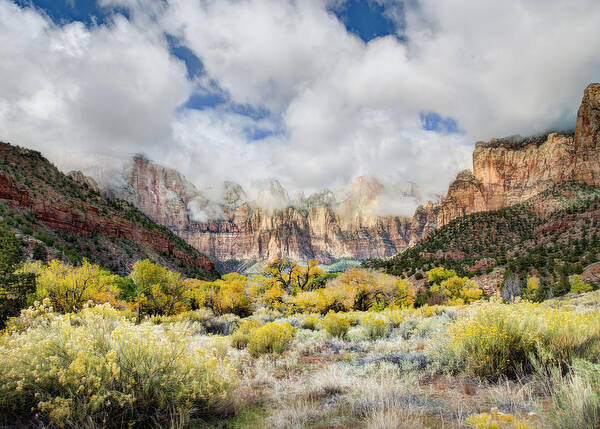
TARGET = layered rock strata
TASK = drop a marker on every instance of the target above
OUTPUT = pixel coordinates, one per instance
(510, 171)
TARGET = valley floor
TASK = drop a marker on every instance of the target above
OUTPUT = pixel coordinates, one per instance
(484, 365)
(384, 383)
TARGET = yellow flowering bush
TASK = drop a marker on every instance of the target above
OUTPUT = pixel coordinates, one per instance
(496, 420)
(39, 314)
(241, 336)
(496, 339)
(336, 324)
(98, 368)
(272, 337)
(311, 322)
(375, 325)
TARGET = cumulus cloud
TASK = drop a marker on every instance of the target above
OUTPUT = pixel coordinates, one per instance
(330, 106)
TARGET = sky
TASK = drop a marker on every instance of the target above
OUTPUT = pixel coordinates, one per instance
(311, 92)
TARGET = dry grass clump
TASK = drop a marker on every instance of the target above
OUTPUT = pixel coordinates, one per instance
(311, 322)
(576, 398)
(97, 368)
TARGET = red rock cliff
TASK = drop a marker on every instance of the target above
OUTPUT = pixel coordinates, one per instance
(507, 172)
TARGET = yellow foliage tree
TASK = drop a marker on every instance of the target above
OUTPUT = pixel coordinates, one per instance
(69, 287)
(533, 284)
(158, 290)
(358, 289)
(290, 275)
(439, 274)
(226, 295)
(578, 285)
(458, 290)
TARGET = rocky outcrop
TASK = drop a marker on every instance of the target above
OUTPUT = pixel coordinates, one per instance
(302, 228)
(587, 137)
(512, 170)
(78, 176)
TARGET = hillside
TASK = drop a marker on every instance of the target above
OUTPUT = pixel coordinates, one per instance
(553, 234)
(62, 218)
(529, 207)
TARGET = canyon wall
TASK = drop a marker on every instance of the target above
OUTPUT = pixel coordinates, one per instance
(235, 228)
(512, 170)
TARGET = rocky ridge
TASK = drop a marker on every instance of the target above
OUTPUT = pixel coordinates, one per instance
(510, 171)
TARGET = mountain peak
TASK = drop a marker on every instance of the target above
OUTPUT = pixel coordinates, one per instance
(273, 196)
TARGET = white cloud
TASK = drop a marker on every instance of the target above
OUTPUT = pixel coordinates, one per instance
(339, 107)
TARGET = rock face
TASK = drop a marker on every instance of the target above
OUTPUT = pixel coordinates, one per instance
(587, 137)
(273, 225)
(511, 170)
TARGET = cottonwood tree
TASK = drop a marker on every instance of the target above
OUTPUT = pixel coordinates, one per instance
(157, 290)
(512, 286)
(292, 276)
(69, 287)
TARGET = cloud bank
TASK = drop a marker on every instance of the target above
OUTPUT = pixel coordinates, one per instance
(285, 90)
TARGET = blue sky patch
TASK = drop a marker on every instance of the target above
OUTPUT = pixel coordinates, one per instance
(64, 11)
(257, 133)
(432, 121)
(193, 64)
(366, 19)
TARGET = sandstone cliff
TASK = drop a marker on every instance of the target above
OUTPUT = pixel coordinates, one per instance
(510, 171)
(317, 226)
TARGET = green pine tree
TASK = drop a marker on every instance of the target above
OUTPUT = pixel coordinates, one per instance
(14, 287)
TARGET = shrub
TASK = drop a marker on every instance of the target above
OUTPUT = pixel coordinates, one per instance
(39, 252)
(97, 368)
(336, 324)
(311, 322)
(375, 325)
(272, 337)
(221, 325)
(15, 285)
(576, 399)
(40, 314)
(241, 336)
(578, 285)
(498, 339)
